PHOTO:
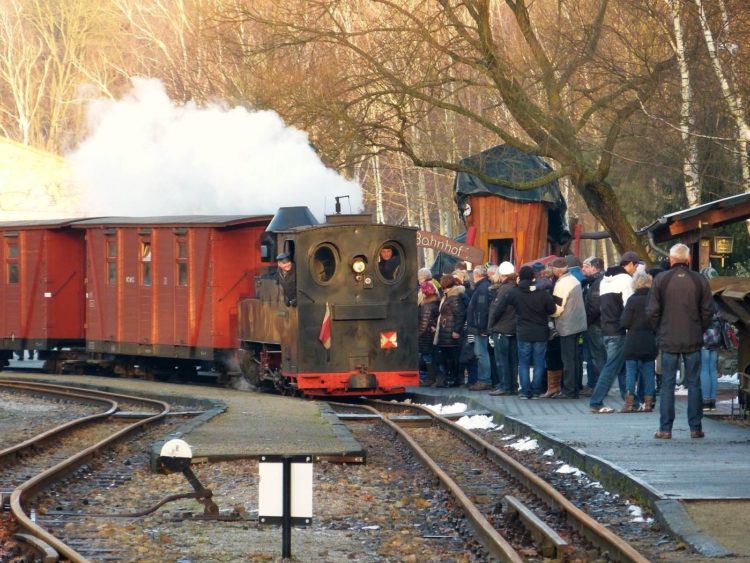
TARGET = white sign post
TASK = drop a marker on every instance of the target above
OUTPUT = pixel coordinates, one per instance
(285, 494)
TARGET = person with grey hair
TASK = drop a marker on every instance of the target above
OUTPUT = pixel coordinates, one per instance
(680, 307)
(640, 346)
(425, 275)
(477, 314)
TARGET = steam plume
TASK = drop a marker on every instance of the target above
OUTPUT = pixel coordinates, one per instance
(147, 155)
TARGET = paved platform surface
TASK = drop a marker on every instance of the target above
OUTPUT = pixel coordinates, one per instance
(236, 423)
(717, 466)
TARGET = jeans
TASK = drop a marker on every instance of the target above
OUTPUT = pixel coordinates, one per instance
(597, 355)
(484, 375)
(644, 373)
(709, 373)
(613, 369)
(692, 381)
(506, 359)
(528, 351)
(426, 367)
(572, 364)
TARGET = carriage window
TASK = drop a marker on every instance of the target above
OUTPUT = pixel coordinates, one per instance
(324, 261)
(12, 263)
(389, 261)
(182, 263)
(146, 262)
(111, 262)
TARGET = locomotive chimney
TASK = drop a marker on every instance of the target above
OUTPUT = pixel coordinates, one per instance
(286, 218)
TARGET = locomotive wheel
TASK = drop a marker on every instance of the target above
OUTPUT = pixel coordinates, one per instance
(250, 367)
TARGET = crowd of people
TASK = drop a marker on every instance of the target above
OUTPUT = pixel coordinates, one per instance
(528, 332)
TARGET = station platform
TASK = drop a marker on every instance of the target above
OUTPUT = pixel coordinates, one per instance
(234, 424)
(678, 478)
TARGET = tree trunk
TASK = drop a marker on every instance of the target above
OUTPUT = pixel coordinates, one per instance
(690, 171)
(602, 202)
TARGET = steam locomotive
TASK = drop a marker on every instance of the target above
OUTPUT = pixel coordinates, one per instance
(175, 297)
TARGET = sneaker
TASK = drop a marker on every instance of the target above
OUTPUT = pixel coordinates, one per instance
(586, 392)
(499, 393)
(535, 397)
(479, 386)
(524, 397)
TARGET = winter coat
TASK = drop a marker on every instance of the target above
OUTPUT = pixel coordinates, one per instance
(478, 310)
(591, 299)
(533, 308)
(505, 323)
(640, 340)
(452, 317)
(429, 311)
(680, 307)
(570, 312)
(614, 291)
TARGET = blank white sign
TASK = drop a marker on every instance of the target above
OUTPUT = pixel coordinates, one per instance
(271, 491)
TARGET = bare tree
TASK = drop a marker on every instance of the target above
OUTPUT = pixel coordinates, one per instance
(559, 87)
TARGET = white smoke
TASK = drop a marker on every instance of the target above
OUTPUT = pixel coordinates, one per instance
(147, 155)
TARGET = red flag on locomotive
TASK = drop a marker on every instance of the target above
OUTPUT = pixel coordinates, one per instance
(325, 329)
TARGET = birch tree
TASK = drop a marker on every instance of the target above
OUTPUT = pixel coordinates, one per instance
(690, 166)
(732, 97)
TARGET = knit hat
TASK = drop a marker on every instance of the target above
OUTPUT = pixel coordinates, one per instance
(505, 269)
(427, 288)
(526, 273)
(629, 257)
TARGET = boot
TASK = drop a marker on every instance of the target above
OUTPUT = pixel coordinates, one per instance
(628, 406)
(430, 379)
(648, 403)
(553, 383)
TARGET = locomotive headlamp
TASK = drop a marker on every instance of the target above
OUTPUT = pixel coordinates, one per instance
(359, 265)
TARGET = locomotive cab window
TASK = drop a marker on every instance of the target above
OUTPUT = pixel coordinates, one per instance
(389, 261)
(323, 263)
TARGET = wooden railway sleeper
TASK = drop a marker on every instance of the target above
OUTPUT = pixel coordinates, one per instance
(551, 544)
(48, 553)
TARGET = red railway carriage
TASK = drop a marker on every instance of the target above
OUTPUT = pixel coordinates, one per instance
(41, 286)
(162, 292)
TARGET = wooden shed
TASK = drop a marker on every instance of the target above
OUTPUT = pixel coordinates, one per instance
(505, 223)
(41, 286)
(167, 287)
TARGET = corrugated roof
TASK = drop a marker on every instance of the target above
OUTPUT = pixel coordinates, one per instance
(176, 221)
(664, 221)
(39, 223)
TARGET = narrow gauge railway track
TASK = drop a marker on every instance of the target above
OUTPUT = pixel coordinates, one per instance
(35, 464)
(478, 475)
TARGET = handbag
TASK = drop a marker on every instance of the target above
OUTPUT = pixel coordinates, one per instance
(729, 336)
(467, 352)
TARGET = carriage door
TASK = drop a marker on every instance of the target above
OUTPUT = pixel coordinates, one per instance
(500, 250)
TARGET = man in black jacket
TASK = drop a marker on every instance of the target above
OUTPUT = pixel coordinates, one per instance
(477, 314)
(597, 355)
(533, 307)
(503, 332)
(680, 307)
